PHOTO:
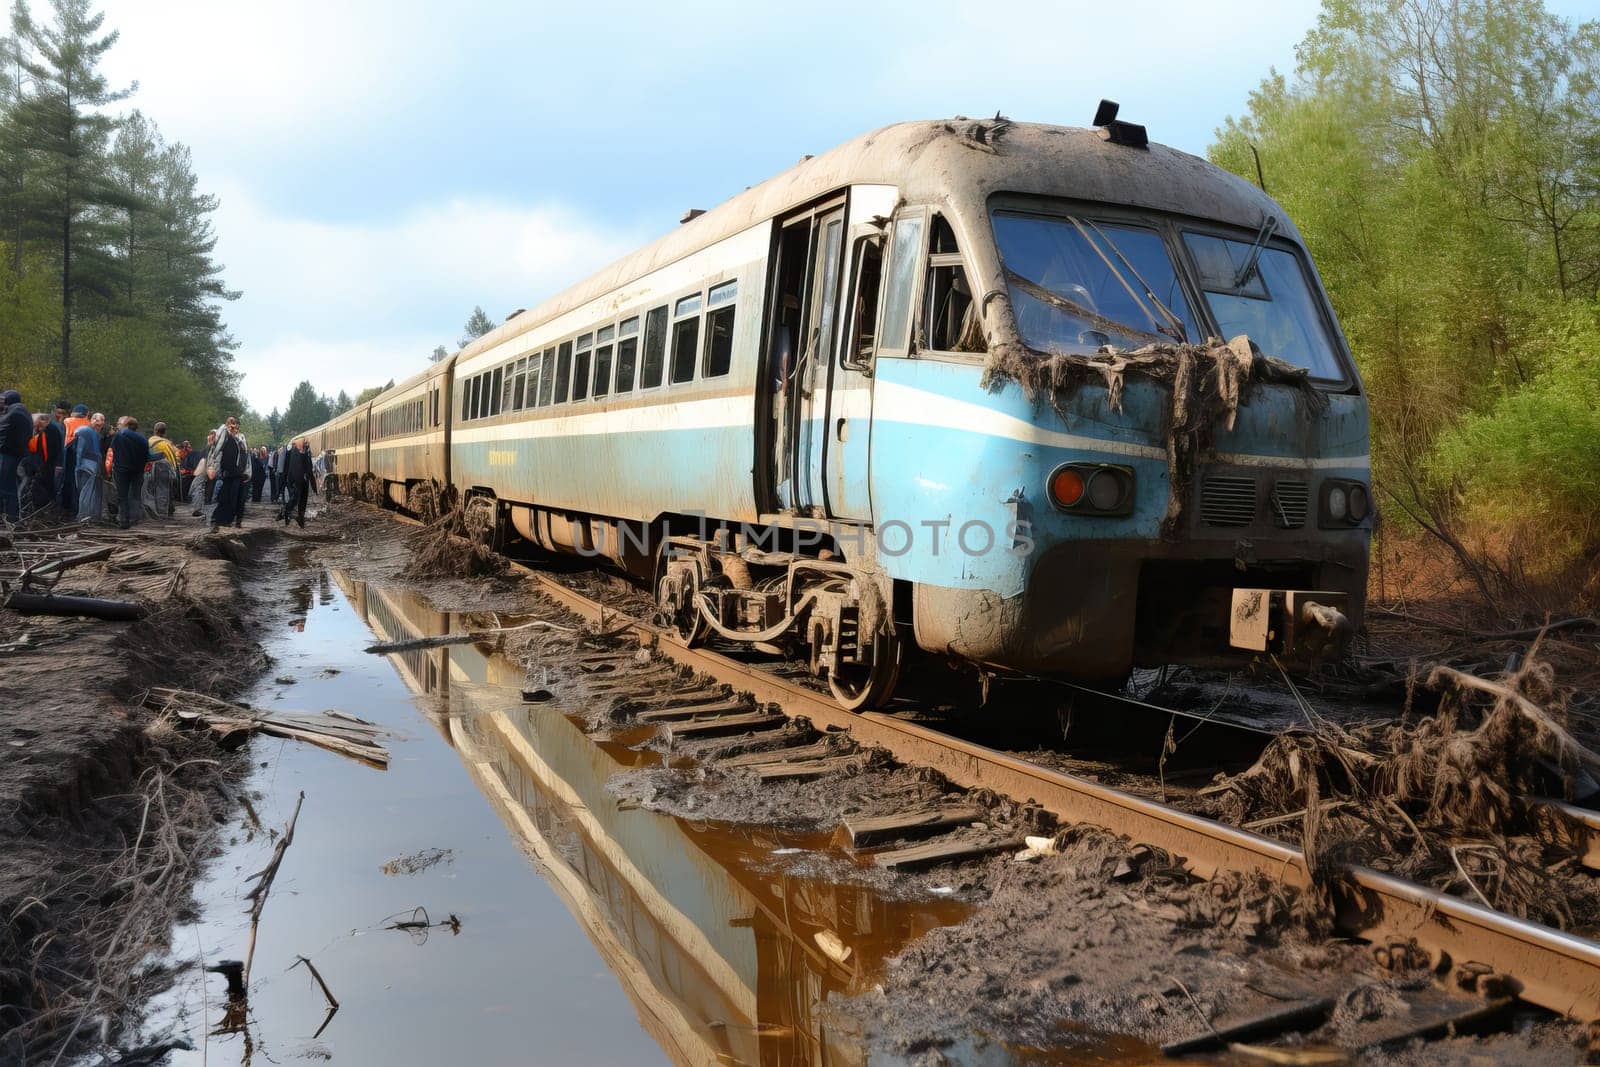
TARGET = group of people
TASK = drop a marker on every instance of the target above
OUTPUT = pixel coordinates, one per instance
(75, 462)
(228, 473)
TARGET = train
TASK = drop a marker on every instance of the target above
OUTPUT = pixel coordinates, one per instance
(1024, 400)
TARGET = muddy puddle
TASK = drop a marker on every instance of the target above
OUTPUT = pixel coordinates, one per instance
(586, 934)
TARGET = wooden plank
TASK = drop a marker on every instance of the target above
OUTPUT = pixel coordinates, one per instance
(1305, 1014)
(667, 700)
(876, 829)
(695, 710)
(945, 850)
(724, 727)
(806, 769)
(816, 750)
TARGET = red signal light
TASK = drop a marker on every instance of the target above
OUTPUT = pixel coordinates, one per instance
(1066, 487)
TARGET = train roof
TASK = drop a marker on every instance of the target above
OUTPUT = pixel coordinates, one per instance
(933, 161)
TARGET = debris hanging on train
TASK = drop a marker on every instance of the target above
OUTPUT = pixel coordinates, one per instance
(1209, 382)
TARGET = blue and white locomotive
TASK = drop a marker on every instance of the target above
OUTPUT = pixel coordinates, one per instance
(1022, 397)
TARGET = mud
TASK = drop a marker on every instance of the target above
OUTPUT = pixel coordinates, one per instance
(1076, 949)
(106, 812)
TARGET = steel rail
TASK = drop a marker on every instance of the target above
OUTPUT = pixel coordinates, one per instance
(1549, 968)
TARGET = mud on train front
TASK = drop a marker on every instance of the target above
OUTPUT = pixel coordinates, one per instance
(1166, 496)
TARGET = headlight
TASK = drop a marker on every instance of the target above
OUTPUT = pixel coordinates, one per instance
(1105, 490)
(1338, 502)
(1359, 504)
(1345, 502)
(1092, 488)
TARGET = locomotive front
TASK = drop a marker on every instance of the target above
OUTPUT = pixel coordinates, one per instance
(1165, 426)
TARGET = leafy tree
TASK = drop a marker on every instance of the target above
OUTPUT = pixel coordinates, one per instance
(1442, 159)
(371, 392)
(342, 403)
(439, 353)
(306, 409)
(477, 325)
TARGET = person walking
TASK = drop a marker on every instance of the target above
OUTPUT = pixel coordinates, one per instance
(258, 473)
(210, 484)
(86, 468)
(297, 485)
(330, 474)
(130, 451)
(58, 434)
(199, 481)
(163, 477)
(230, 463)
(274, 472)
(69, 458)
(187, 458)
(16, 430)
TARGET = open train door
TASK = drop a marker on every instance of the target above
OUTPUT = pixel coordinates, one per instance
(801, 332)
(847, 421)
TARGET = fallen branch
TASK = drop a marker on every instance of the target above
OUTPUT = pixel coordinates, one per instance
(263, 885)
(1576, 622)
(469, 637)
(333, 1002)
(332, 730)
(94, 607)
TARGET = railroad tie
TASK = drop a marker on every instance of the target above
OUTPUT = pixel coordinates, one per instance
(946, 850)
(862, 831)
(805, 770)
(797, 753)
(725, 726)
(712, 706)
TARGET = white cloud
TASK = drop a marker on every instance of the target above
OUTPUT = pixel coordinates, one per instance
(349, 305)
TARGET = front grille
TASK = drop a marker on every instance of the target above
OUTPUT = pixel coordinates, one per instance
(1228, 501)
(1289, 502)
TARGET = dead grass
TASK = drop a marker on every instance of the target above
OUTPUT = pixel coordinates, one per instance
(453, 547)
(1447, 798)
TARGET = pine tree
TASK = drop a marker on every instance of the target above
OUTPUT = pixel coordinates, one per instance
(61, 119)
(275, 424)
(477, 325)
(439, 352)
(342, 403)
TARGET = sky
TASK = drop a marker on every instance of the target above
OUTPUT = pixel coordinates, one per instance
(385, 165)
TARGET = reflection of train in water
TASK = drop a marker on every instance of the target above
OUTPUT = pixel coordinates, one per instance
(719, 954)
(856, 411)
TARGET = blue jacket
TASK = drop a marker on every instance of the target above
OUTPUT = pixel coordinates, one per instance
(88, 442)
(130, 451)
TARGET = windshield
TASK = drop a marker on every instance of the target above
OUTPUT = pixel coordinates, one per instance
(1076, 284)
(1272, 302)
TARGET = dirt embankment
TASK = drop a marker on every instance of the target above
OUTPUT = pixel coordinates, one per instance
(106, 810)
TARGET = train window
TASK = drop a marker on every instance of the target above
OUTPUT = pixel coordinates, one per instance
(518, 383)
(868, 275)
(951, 316)
(1077, 284)
(466, 400)
(627, 353)
(531, 396)
(506, 383)
(480, 394)
(904, 255)
(580, 367)
(494, 392)
(547, 376)
(602, 361)
(655, 348)
(685, 338)
(719, 329)
(563, 371)
(1269, 299)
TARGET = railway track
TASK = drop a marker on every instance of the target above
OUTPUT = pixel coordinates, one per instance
(1407, 924)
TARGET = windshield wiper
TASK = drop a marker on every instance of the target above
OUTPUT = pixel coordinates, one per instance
(1269, 226)
(1174, 328)
(1072, 307)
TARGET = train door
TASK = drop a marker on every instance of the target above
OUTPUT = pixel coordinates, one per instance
(847, 427)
